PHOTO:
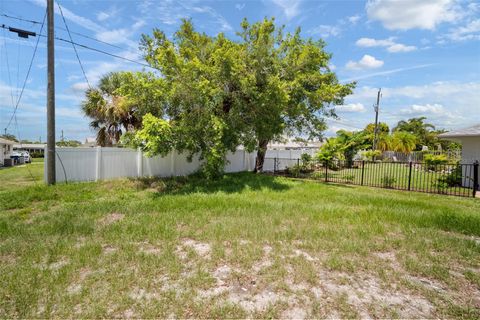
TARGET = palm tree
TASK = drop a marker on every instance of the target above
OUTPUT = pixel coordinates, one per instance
(384, 142)
(403, 141)
(421, 129)
(112, 113)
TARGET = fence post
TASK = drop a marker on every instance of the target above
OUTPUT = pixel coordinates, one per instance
(363, 171)
(139, 163)
(172, 163)
(475, 178)
(409, 175)
(326, 171)
(298, 162)
(274, 165)
(98, 168)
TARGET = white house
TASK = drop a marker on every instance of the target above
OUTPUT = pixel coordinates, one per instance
(470, 140)
(6, 148)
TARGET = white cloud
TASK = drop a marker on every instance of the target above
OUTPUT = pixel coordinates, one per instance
(354, 19)
(424, 109)
(102, 16)
(351, 107)
(367, 62)
(411, 14)
(470, 31)
(325, 31)
(398, 47)
(386, 72)
(388, 43)
(290, 8)
(240, 6)
(69, 15)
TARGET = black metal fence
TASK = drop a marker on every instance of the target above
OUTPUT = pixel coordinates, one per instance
(452, 178)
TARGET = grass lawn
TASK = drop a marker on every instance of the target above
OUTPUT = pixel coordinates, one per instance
(245, 246)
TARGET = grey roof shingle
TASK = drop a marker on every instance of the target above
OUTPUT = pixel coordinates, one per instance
(473, 131)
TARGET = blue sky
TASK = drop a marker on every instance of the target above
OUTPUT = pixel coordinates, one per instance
(425, 55)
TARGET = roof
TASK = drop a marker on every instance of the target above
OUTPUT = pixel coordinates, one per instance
(5, 141)
(473, 131)
(29, 145)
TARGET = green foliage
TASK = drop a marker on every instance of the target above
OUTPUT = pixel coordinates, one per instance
(349, 178)
(37, 154)
(9, 136)
(330, 150)
(68, 143)
(371, 154)
(403, 141)
(388, 181)
(433, 162)
(219, 94)
(423, 131)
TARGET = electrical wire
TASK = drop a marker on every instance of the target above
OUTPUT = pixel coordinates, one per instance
(72, 32)
(28, 73)
(94, 49)
(73, 45)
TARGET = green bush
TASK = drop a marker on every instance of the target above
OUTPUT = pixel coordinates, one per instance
(370, 154)
(37, 154)
(349, 178)
(388, 181)
(453, 179)
(294, 170)
(433, 162)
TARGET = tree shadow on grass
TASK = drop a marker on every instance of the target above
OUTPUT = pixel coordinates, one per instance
(229, 183)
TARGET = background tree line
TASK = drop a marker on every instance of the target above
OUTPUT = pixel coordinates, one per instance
(408, 135)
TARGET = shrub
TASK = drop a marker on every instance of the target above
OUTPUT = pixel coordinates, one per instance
(370, 154)
(37, 154)
(306, 165)
(452, 179)
(349, 178)
(388, 181)
(433, 162)
(294, 170)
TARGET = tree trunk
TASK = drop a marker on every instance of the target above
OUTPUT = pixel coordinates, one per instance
(262, 150)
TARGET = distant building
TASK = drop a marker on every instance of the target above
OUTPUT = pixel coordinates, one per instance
(6, 149)
(291, 144)
(470, 140)
(90, 142)
(30, 147)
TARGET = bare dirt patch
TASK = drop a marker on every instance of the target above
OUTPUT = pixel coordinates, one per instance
(111, 218)
(202, 249)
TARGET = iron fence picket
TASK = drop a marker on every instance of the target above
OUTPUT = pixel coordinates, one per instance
(457, 179)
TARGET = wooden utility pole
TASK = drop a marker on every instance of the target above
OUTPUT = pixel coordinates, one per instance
(51, 179)
(375, 131)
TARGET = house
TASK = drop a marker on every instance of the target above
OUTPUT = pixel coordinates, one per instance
(90, 142)
(38, 148)
(470, 140)
(6, 148)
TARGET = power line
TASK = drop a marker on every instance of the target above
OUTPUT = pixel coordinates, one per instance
(72, 32)
(73, 45)
(27, 75)
(94, 49)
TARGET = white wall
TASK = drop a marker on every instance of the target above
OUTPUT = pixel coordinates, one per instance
(470, 154)
(470, 149)
(90, 164)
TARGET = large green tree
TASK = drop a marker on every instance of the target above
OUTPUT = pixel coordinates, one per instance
(221, 94)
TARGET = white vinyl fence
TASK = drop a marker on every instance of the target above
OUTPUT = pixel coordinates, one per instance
(91, 164)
